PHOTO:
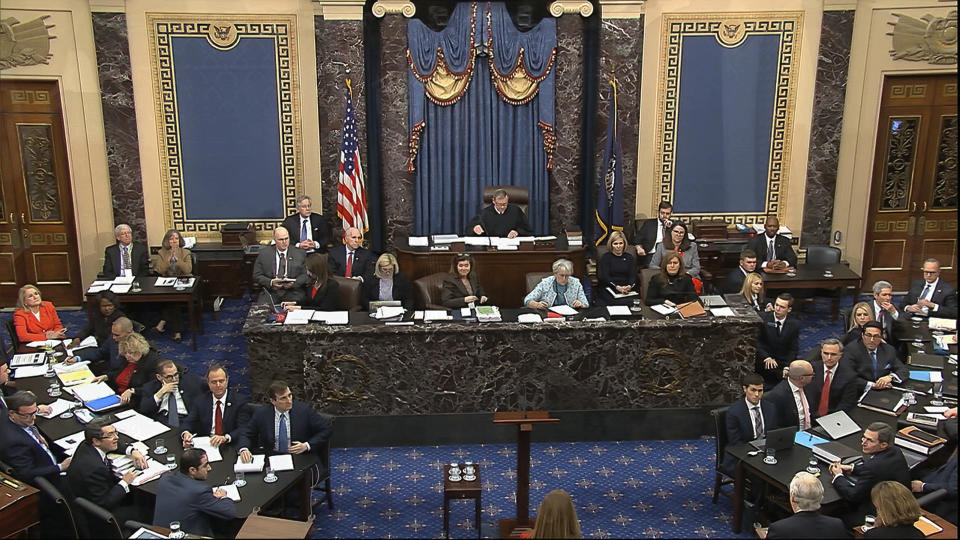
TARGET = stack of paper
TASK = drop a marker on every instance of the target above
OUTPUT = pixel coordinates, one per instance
(529, 318)
(254, 466)
(446, 238)
(937, 323)
(231, 490)
(618, 310)
(331, 317)
(481, 241)
(203, 443)
(388, 312)
(98, 286)
(186, 283)
(70, 442)
(664, 309)
(563, 310)
(46, 344)
(92, 391)
(29, 371)
(298, 316)
(417, 241)
(281, 462)
(89, 341)
(436, 315)
(58, 407)
(30, 359)
(722, 312)
(140, 428)
(153, 471)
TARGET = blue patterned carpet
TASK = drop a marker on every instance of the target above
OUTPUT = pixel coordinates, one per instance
(628, 489)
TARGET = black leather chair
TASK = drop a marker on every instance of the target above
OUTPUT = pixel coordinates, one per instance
(428, 291)
(132, 526)
(720, 478)
(321, 471)
(822, 255)
(533, 278)
(349, 291)
(100, 523)
(12, 332)
(519, 196)
(5, 467)
(646, 274)
(62, 508)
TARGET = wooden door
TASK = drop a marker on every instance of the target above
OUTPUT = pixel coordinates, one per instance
(913, 200)
(38, 239)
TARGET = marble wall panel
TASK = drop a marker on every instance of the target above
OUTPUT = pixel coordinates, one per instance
(339, 56)
(397, 183)
(621, 53)
(565, 177)
(120, 121)
(832, 66)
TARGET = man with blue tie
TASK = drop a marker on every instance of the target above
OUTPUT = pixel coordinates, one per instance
(214, 414)
(171, 396)
(931, 296)
(284, 428)
(875, 361)
(309, 230)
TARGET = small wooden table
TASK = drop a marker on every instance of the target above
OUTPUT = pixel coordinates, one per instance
(812, 277)
(461, 490)
(19, 507)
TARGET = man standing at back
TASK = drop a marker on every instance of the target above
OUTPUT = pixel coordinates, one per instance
(280, 270)
(779, 340)
(125, 258)
(500, 219)
(309, 230)
(351, 260)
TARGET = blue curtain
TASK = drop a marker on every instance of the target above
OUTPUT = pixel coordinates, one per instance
(478, 137)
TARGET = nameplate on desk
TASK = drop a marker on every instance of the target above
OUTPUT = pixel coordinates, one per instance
(440, 247)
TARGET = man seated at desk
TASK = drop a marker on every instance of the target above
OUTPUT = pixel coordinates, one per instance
(215, 415)
(308, 228)
(285, 427)
(772, 247)
(500, 219)
(183, 496)
(748, 419)
(170, 397)
(931, 295)
(882, 461)
(790, 400)
(125, 258)
(834, 386)
(874, 360)
(886, 311)
(748, 264)
(352, 260)
(280, 270)
(806, 493)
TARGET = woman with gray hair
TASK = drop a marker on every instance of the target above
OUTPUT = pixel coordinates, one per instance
(557, 290)
(173, 260)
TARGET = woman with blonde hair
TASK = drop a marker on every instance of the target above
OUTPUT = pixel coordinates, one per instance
(173, 260)
(861, 314)
(557, 518)
(35, 319)
(897, 511)
(389, 283)
(616, 272)
(752, 290)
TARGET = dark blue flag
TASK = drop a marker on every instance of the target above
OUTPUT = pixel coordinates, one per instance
(609, 213)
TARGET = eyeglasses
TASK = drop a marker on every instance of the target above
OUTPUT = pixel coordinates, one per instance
(868, 439)
(931, 271)
(171, 377)
(873, 336)
(27, 414)
(111, 435)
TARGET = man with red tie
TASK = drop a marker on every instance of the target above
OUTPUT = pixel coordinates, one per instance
(214, 414)
(834, 385)
(351, 260)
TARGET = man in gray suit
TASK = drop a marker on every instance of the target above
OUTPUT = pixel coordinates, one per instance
(280, 270)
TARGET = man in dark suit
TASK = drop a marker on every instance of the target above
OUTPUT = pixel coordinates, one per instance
(651, 234)
(875, 361)
(281, 270)
(183, 496)
(91, 474)
(779, 340)
(834, 386)
(121, 328)
(309, 230)
(882, 461)
(171, 388)
(24, 447)
(886, 312)
(284, 427)
(780, 245)
(352, 260)
(749, 418)
(806, 493)
(215, 415)
(944, 477)
(931, 295)
(500, 219)
(4, 389)
(788, 397)
(125, 258)
(748, 264)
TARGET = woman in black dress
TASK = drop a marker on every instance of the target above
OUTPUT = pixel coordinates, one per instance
(753, 292)
(389, 283)
(673, 285)
(616, 272)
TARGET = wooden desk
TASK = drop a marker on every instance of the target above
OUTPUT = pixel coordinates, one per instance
(812, 277)
(502, 273)
(949, 529)
(151, 293)
(19, 507)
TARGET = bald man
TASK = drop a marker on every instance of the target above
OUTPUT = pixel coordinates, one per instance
(352, 260)
(281, 270)
(782, 250)
(788, 397)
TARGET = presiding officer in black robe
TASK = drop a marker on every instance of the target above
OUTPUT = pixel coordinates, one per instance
(500, 219)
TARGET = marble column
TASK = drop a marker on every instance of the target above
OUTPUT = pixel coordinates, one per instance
(834, 58)
(120, 121)
(397, 182)
(565, 177)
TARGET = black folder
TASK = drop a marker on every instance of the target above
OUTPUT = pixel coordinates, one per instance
(931, 361)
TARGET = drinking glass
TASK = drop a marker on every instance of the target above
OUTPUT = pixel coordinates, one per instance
(813, 467)
(171, 462)
(175, 531)
(159, 448)
(937, 400)
(241, 479)
(270, 476)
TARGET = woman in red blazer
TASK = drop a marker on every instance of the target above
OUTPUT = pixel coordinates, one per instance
(35, 319)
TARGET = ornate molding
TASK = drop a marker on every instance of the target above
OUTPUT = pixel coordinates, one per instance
(382, 7)
(928, 39)
(584, 8)
(24, 44)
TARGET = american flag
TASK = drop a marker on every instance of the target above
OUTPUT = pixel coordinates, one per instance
(351, 194)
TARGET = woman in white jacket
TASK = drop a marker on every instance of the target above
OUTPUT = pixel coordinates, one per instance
(559, 289)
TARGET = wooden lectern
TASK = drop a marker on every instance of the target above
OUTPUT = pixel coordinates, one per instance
(524, 420)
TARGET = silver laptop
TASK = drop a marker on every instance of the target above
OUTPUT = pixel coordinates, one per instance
(838, 425)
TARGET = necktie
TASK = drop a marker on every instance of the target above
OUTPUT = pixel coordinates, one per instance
(757, 422)
(109, 463)
(806, 409)
(876, 372)
(126, 257)
(173, 416)
(883, 323)
(282, 267)
(349, 272)
(779, 327)
(36, 433)
(923, 295)
(303, 230)
(770, 251)
(283, 440)
(824, 406)
(218, 420)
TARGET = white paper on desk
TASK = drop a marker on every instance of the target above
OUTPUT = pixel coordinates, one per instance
(59, 406)
(477, 241)
(465, 312)
(153, 471)
(519, 239)
(563, 310)
(119, 280)
(937, 323)
(418, 315)
(254, 466)
(44, 343)
(388, 312)
(281, 462)
(121, 288)
(203, 443)
(140, 428)
(98, 286)
(29, 371)
(418, 241)
(722, 312)
(231, 490)
(529, 318)
(165, 282)
(618, 310)
(89, 341)
(70, 442)
(332, 317)
(127, 413)
(92, 391)
(935, 410)
(436, 315)
(186, 283)
(446, 238)
(298, 316)
(663, 309)
(64, 367)
(548, 238)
